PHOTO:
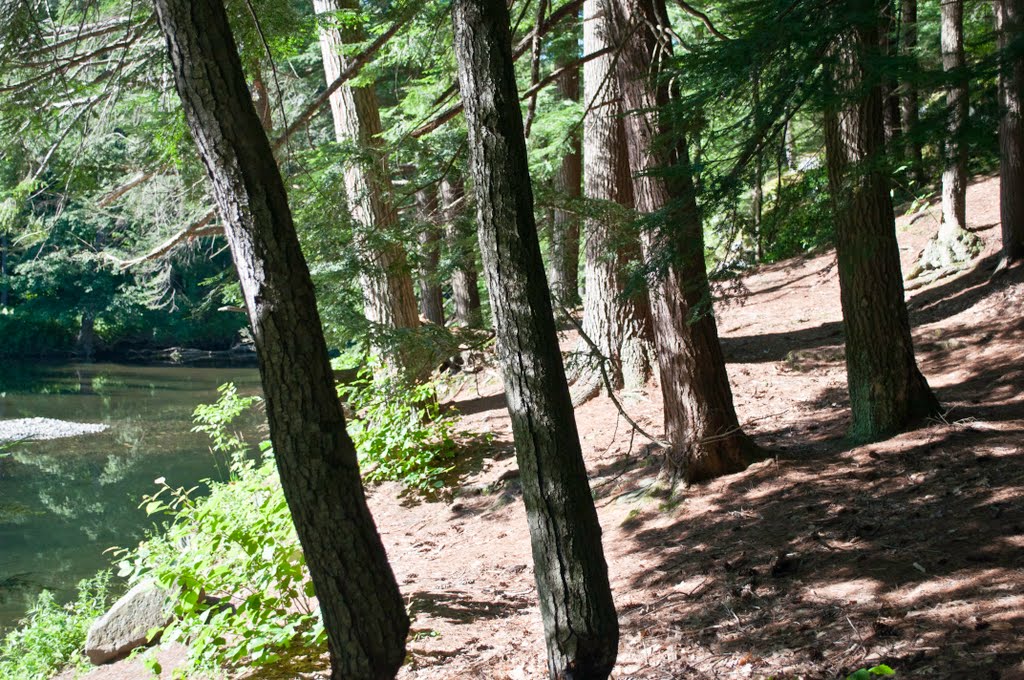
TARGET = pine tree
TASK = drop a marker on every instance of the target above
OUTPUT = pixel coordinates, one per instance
(580, 624)
(1010, 29)
(700, 418)
(363, 611)
(887, 391)
(618, 324)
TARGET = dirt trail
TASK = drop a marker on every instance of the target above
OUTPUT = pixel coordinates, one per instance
(823, 559)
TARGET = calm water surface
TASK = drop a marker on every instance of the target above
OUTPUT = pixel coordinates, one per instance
(63, 502)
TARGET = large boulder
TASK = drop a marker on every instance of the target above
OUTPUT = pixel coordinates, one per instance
(126, 625)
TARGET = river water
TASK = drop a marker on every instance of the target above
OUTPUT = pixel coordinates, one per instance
(64, 502)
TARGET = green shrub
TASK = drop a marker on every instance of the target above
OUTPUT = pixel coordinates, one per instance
(52, 636)
(802, 221)
(400, 431)
(237, 542)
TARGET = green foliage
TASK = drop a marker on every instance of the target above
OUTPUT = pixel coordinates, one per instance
(52, 636)
(869, 673)
(239, 543)
(800, 220)
(215, 420)
(400, 431)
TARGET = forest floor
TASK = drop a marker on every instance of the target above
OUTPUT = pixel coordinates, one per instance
(822, 559)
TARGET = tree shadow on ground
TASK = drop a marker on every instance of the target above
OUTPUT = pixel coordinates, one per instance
(461, 608)
(831, 557)
(825, 341)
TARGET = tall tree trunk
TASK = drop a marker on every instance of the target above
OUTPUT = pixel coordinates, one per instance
(619, 325)
(431, 301)
(580, 624)
(908, 92)
(387, 282)
(789, 146)
(700, 419)
(953, 244)
(954, 172)
(461, 245)
(888, 36)
(1010, 28)
(887, 391)
(363, 611)
(565, 227)
(757, 194)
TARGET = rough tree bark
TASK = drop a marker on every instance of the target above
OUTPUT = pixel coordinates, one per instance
(580, 624)
(1010, 28)
(459, 239)
(362, 608)
(565, 227)
(619, 325)
(431, 301)
(887, 391)
(387, 281)
(909, 112)
(953, 244)
(700, 419)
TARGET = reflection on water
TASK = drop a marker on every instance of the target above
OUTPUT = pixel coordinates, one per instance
(63, 502)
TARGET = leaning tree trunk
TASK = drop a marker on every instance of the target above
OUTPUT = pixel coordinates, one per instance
(908, 92)
(387, 282)
(1010, 28)
(887, 391)
(700, 419)
(363, 611)
(431, 301)
(580, 624)
(460, 240)
(617, 324)
(565, 227)
(953, 244)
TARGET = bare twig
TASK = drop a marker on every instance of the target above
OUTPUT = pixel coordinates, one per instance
(693, 11)
(601, 362)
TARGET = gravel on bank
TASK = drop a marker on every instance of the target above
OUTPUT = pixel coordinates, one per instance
(37, 429)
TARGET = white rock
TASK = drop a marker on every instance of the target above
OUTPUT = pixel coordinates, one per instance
(125, 626)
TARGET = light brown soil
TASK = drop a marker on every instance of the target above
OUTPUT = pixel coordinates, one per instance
(820, 560)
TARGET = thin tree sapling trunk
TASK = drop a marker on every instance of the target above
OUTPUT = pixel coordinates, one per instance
(565, 225)
(461, 243)
(909, 113)
(431, 300)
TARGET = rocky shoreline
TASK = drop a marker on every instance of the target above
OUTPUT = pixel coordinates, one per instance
(38, 429)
